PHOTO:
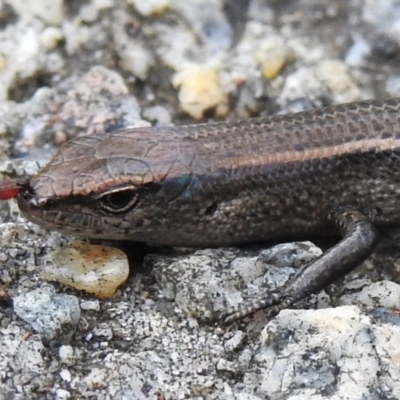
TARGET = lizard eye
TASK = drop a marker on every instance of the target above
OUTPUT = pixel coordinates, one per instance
(118, 201)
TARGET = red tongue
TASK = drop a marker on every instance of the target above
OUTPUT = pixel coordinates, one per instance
(8, 189)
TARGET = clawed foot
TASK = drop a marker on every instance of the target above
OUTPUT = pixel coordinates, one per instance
(274, 302)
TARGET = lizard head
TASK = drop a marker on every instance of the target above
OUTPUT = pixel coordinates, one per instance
(113, 185)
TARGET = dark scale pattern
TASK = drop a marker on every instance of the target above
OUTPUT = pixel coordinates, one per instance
(231, 183)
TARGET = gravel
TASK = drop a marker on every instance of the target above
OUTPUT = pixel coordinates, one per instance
(68, 68)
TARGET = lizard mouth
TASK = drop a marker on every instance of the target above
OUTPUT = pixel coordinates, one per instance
(40, 210)
(27, 198)
(31, 206)
(28, 204)
(29, 210)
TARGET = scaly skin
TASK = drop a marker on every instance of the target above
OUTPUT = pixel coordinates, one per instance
(322, 172)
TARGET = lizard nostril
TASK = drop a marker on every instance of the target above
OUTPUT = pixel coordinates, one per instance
(210, 210)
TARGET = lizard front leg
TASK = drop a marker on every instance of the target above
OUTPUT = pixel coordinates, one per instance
(359, 241)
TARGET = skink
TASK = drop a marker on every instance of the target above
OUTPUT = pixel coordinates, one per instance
(330, 171)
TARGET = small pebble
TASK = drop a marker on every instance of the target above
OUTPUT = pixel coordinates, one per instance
(51, 315)
(393, 86)
(159, 114)
(334, 74)
(62, 394)
(208, 20)
(51, 37)
(234, 342)
(224, 365)
(199, 91)
(150, 7)
(98, 270)
(273, 59)
(51, 12)
(66, 354)
(93, 305)
(358, 53)
(136, 59)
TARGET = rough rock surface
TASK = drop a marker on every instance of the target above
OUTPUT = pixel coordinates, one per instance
(70, 67)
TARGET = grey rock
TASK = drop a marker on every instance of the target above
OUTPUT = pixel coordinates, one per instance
(208, 21)
(206, 282)
(378, 294)
(144, 343)
(383, 16)
(51, 315)
(337, 351)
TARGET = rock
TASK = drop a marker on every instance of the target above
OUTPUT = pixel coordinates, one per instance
(208, 21)
(273, 57)
(68, 74)
(150, 7)
(51, 315)
(383, 16)
(393, 86)
(199, 91)
(98, 270)
(206, 282)
(378, 294)
(306, 353)
(49, 11)
(51, 37)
